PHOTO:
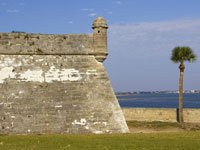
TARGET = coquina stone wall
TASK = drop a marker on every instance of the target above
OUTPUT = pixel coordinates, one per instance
(57, 84)
(160, 114)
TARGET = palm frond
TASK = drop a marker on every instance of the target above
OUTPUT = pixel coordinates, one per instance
(183, 53)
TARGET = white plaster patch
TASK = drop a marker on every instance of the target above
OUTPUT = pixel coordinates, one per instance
(86, 127)
(104, 123)
(58, 106)
(36, 75)
(82, 46)
(32, 75)
(39, 60)
(8, 62)
(96, 123)
(21, 92)
(98, 132)
(25, 61)
(82, 122)
(108, 131)
(6, 73)
(62, 75)
(91, 72)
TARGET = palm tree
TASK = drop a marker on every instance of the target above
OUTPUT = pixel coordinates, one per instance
(180, 55)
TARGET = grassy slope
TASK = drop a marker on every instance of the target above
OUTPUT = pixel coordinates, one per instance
(153, 141)
(163, 125)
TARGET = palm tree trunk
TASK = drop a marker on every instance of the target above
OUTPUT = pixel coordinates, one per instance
(181, 67)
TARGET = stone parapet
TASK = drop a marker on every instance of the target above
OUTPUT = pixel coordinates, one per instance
(45, 44)
(21, 43)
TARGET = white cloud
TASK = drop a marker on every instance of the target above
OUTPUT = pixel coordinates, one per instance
(91, 11)
(88, 9)
(158, 35)
(144, 51)
(92, 14)
(12, 11)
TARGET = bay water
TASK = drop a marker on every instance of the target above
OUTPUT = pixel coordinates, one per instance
(159, 100)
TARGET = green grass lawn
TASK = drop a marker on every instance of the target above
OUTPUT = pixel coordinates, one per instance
(154, 141)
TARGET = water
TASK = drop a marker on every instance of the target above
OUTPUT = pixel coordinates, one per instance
(158, 100)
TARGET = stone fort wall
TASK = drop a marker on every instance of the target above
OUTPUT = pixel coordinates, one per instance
(57, 84)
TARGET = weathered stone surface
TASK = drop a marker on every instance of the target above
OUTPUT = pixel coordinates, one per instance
(40, 44)
(56, 84)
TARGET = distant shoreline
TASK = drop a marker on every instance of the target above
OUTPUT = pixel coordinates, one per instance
(156, 92)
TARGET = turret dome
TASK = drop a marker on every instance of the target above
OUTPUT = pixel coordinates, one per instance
(99, 22)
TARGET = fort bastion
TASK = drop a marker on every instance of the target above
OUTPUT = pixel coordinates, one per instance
(57, 84)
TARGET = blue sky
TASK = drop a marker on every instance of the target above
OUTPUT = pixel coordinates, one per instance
(141, 35)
